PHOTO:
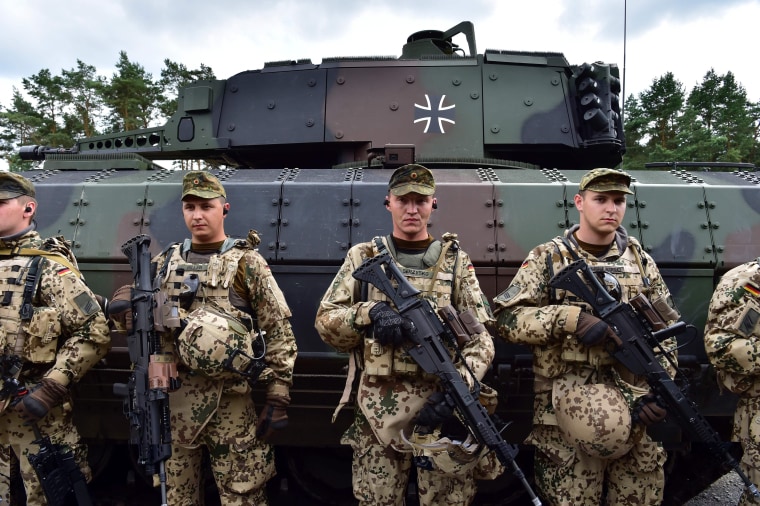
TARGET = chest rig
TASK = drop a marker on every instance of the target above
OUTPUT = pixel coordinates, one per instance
(191, 280)
(27, 331)
(433, 273)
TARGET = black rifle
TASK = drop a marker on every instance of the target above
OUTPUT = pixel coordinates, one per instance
(429, 351)
(638, 331)
(154, 373)
(61, 478)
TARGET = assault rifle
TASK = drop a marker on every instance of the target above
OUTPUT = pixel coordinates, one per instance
(154, 373)
(638, 331)
(61, 478)
(429, 351)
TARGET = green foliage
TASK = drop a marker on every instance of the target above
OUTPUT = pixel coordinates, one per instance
(715, 123)
(56, 110)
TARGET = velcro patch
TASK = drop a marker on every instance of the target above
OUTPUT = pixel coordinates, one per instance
(86, 304)
(749, 321)
(510, 292)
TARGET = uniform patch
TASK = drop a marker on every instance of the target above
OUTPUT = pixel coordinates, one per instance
(470, 267)
(752, 290)
(749, 322)
(509, 293)
(86, 304)
(524, 264)
(64, 271)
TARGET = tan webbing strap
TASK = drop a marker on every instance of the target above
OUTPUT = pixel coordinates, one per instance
(351, 376)
(33, 252)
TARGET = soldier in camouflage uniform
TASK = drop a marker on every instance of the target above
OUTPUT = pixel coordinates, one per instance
(236, 302)
(732, 342)
(49, 320)
(579, 456)
(393, 391)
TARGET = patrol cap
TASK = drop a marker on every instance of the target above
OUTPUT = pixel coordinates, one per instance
(202, 184)
(412, 178)
(606, 180)
(14, 185)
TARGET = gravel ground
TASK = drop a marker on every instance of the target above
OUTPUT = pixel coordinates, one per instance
(724, 492)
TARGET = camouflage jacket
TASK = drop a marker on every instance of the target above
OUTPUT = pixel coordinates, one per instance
(67, 333)
(530, 312)
(391, 400)
(219, 273)
(732, 331)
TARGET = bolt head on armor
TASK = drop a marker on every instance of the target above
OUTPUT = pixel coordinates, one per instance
(596, 419)
(202, 184)
(14, 185)
(412, 178)
(606, 180)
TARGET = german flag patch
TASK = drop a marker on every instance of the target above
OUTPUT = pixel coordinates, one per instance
(752, 290)
(64, 271)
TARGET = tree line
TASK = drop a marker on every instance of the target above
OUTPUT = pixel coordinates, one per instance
(79, 102)
(714, 122)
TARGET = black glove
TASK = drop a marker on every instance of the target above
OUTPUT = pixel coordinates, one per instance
(389, 327)
(35, 405)
(648, 412)
(273, 416)
(435, 411)
(591, 330)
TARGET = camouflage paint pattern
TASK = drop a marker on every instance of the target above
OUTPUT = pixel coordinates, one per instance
(505, 133)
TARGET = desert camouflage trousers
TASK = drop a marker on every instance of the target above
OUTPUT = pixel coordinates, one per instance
(380, 474)
(18, 438)
(240, 463)
(747, 430)
(566, 476)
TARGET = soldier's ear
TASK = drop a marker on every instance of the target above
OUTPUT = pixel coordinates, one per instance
(435, 203)
(386, 202)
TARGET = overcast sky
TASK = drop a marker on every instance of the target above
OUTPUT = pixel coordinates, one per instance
(686, 37)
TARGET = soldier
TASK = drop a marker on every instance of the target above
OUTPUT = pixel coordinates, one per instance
(732, 342)
(393, 392)
(576, 459)
(228, 302)
(51, 325)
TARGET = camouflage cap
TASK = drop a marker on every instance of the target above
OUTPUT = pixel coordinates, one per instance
(202, 184)
(412, 178)
(14, 185)
(606, 180)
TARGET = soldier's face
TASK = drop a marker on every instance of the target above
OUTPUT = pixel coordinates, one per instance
(411, 213)
(204, 219)
(600, 215)
(12, 219)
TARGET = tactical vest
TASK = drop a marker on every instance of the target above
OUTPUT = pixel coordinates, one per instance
(550, 362)
(436, 283)
(28, 331)
(215, 275)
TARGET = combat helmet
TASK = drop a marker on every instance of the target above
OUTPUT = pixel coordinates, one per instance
(596, 419)
(219, 346)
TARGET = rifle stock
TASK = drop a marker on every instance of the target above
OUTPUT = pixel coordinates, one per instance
(636, 334)
(430, 353)
(146, 398)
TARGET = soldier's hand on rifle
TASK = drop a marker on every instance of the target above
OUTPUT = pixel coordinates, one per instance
(389, 327)
(648, 412)
(591, 330)
(435, 411)
(120, 309)
(36, 404)
(273, 416)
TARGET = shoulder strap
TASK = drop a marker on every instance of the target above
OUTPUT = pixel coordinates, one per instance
(27, 309)
(31, 252)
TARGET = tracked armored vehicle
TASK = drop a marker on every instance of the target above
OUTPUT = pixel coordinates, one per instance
(305, 151)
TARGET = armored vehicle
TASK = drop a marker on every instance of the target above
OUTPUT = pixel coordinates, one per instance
(305, 152)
